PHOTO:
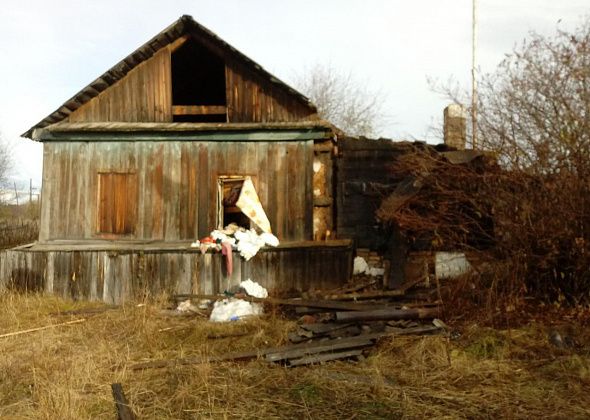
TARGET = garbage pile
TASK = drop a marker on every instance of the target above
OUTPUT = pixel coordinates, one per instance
(234, 238)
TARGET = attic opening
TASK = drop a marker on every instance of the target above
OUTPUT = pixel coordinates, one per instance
(198, 84)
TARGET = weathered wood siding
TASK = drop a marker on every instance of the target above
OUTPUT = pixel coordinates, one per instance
(251, 98)
(176, 185)
(114, 277)
(143, 95)
(364, 177)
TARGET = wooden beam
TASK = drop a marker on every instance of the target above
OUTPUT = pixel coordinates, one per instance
(174, 45)
(124, 411)
(295, 352)
(30, 330)
(387, 314)
(199, 110)
(315, 359)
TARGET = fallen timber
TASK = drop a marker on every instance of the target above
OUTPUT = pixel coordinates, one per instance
(124, 411)
(387, 314)
(274, 354)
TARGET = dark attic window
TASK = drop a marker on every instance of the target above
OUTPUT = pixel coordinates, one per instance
(198, 85)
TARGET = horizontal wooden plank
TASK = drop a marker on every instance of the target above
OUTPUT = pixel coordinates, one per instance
(151, 245)
(322, 347)
(325, 357)
(199, 110)
(187, 135)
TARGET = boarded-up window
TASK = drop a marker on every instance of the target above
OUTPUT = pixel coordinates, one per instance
(117, 203)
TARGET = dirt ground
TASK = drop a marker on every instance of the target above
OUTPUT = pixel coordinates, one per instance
(66, 372)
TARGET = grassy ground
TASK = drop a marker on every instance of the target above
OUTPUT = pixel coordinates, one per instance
(66, 372)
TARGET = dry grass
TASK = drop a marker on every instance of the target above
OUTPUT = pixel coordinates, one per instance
(66, 372)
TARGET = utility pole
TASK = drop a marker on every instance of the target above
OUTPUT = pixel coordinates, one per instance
(474, 77)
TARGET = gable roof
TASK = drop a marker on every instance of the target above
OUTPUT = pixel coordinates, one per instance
(185, 25)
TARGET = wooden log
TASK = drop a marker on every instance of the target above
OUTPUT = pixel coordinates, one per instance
(124, 411)
(387, 314)
(326, 357)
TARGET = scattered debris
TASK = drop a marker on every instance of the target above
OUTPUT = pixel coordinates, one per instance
(254, 289)
(360, 266)
(187, 306)
(246, 242)
(234, 309)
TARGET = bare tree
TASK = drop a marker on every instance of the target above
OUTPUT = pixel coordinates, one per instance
(535, 110)
(534, 114)
(5, 161)
(344, 101)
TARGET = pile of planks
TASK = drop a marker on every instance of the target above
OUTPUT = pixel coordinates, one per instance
(345, 323)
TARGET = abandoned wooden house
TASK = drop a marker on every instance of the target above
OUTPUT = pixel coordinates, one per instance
(144, 160)
(136, 165)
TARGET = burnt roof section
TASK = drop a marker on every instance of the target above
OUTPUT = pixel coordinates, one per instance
(185, 25)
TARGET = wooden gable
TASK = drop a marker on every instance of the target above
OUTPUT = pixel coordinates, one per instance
(184, 74)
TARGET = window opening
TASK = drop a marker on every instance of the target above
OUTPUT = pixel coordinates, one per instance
(229, 189)
(198, 85)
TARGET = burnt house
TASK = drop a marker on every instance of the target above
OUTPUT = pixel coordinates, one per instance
(140, 163)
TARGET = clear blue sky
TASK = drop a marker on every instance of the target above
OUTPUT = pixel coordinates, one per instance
(51, 49)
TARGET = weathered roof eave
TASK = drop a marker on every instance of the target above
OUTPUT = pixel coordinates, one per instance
(184, 25)
(123, 131)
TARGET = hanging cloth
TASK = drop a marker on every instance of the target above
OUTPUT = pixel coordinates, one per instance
(227, 251)
(250, 205)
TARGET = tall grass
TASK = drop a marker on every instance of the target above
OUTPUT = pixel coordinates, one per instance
(66, 372)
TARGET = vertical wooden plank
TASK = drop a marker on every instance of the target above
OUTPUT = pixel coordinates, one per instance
(281, 197)
(82, 198)
(64, 179)
(47, 199)
(294, 191)
(131, 204)
(270, 177)
(50, 272)
(228, 93)
(183, 193)
(158, 193)
(183, 283)
(308, 200)
(91, 194)
(206, 179)
(206, 284)
(167, 88)
(172, 191)
(193, 197)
